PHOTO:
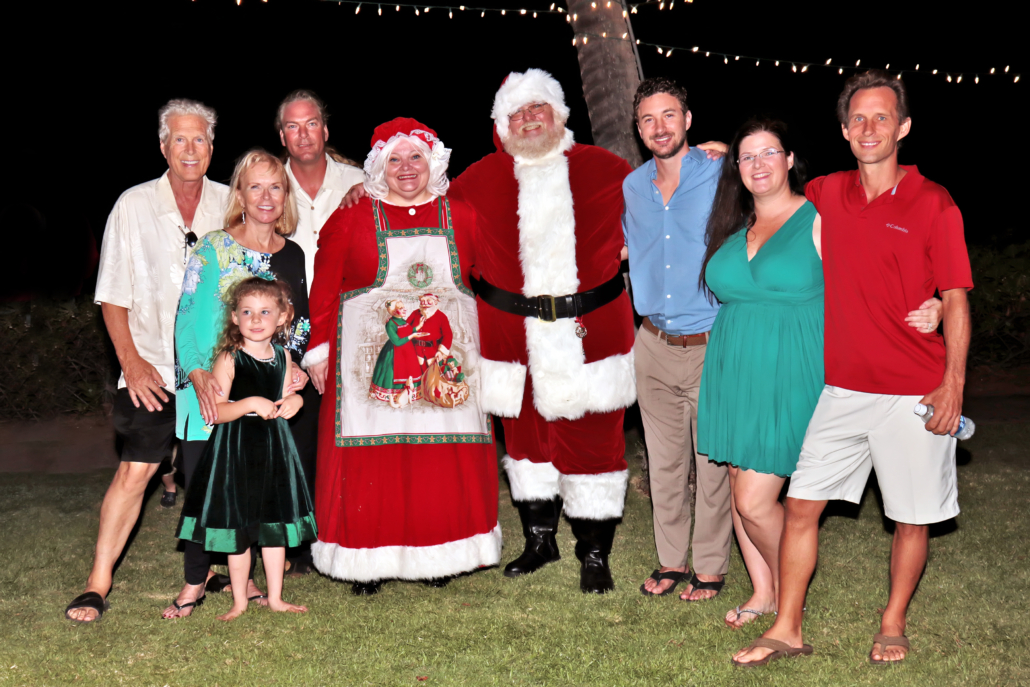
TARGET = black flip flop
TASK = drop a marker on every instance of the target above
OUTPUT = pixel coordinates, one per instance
(168, 499)
(706, 586)
(88, 600)
(675, 575)
(216, 583)
(189, 604)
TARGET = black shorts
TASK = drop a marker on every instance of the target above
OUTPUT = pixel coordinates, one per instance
(147, 436)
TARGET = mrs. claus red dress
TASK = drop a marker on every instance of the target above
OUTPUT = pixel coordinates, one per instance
(401, 510)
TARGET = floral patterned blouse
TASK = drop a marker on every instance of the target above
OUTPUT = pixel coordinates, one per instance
(217, 264)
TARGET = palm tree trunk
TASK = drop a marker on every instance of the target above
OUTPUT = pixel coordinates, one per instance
(610, 73)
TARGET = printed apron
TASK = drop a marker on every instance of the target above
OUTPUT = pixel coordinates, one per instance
(390, 389)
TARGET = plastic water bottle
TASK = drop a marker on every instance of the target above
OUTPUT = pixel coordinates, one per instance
(966, 427)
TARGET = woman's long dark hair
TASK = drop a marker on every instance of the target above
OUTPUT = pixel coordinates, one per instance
(734, 206)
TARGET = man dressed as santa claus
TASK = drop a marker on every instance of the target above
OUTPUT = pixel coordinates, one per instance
(556, 322)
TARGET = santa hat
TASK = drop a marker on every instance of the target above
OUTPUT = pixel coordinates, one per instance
(404, 127)
(519, 89)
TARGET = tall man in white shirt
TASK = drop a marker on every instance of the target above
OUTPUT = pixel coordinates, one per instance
(148, 237)
(319, 183)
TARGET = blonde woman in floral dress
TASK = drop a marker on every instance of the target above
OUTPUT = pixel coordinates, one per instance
(261, 214)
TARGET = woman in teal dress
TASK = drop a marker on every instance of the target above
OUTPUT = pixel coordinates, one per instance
(763, 368)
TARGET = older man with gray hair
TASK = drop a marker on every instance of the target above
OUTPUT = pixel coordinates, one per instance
(147, 240)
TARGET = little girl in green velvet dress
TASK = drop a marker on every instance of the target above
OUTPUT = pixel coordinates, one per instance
(249, 486)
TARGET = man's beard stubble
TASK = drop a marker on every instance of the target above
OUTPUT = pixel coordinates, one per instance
(533, 147)
(679, 143)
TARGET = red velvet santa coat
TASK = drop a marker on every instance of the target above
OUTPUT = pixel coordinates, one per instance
(553, 226)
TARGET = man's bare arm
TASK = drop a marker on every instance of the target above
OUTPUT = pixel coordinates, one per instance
(947, 398)
(142, 379)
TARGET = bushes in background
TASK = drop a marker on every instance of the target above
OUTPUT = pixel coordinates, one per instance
(999, 306)
(55, 357)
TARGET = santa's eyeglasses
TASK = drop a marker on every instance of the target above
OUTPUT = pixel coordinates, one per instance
(534, 109)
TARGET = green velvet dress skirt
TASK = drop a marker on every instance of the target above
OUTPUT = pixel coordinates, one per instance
(249, 486)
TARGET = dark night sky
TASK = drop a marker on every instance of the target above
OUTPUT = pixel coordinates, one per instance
(86, 92)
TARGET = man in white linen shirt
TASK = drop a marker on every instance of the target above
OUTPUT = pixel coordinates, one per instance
(319, 182)
(147, 239)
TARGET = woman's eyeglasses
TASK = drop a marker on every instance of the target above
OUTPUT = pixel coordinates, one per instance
(764, 155)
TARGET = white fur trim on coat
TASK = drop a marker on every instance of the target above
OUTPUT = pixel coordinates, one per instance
(531, 481)
(316, 355)
(594, 497)
(408, 562)
(503, 385)
(564, 385)
(523, 88)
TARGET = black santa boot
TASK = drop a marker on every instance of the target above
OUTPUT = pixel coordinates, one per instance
(539, 524)
(593, 544)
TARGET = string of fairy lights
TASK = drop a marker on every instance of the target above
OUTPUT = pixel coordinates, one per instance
(800, 67)
(795, 66)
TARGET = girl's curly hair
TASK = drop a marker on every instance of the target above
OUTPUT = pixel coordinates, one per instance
(231, 339)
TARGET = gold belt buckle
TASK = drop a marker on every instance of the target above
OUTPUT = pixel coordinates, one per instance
(554, 310)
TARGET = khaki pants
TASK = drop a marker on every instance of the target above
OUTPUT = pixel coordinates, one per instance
(668, 382)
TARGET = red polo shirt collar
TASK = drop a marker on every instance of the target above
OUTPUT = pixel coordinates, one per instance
(906, 189)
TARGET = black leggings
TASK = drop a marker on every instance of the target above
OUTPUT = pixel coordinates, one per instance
(197, 561)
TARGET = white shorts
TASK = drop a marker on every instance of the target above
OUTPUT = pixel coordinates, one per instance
(852, 432)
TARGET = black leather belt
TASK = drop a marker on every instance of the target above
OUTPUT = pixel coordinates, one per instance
(550, 308)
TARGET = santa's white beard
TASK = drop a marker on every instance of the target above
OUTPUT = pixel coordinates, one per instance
(535, 147)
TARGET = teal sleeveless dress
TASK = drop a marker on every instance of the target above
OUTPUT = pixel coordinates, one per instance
(763, 370)
(249, 486)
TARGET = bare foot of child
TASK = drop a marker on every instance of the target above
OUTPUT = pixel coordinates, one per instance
(282, 606)
(233, 613)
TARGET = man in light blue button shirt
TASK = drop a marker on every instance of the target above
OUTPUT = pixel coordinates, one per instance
(668, 200)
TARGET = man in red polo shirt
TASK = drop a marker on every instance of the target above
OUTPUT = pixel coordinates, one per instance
(890, 239)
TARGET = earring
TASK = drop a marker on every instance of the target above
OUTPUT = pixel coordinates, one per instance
(244, 217)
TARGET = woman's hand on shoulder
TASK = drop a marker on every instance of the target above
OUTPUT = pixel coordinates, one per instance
(288, 407)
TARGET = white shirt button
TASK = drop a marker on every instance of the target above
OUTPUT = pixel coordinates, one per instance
(411, 211)
(666, 207)
(668, 295)
(668, 266)
(666, 236)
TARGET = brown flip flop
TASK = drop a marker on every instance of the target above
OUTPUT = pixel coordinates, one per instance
(780, 649)
(885, 641)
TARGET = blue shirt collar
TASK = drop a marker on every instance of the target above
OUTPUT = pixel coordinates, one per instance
(694, 156)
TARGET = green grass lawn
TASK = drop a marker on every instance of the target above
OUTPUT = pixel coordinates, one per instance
(968, 622)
